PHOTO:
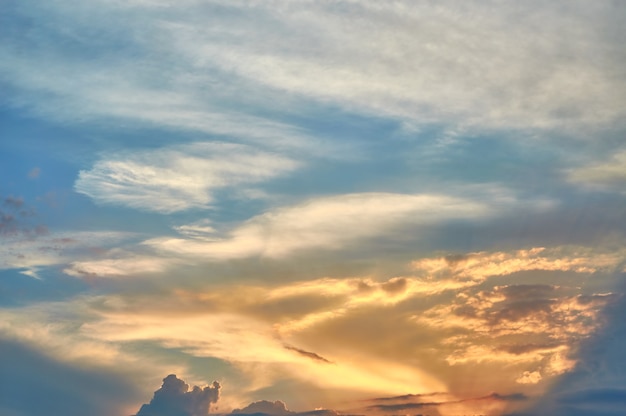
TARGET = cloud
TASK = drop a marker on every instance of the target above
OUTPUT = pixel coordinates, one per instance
(496, 326)
(124, 266)
(276, 408)
(39, 249)
(596, 385)
(34, 384)
(175, 399)
(529, 377)
(330, 223)
(18, 219)
(34, 173)
(178, 178)
(551, 66)
(606, 175)
(279, 408)
(245, 69)
(479, 266)
(475, 404)
(308, 354)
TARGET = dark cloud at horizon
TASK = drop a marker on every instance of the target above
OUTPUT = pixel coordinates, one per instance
(33, 384)
(513, 397)
(278, 408)
(174, 398)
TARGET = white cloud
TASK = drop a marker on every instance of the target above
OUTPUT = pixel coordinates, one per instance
(35, 253)
(477, 63)
(327, 223)
(118, 267)
(178, 178)
(529, 377)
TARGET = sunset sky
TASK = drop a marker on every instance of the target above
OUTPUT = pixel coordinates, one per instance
(312, 207)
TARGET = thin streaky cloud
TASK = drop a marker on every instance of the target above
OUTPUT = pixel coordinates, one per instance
(177, 179)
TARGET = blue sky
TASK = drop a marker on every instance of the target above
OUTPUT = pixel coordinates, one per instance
(361, 207)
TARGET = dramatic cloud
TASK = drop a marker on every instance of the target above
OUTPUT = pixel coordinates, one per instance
(317, 202)
(175, 399)
(170, 180)
(596, 385)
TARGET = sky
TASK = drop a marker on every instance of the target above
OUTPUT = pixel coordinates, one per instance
(312, 208)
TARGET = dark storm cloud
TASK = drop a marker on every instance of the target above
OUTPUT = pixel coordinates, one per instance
(175, 399)
(32, 384)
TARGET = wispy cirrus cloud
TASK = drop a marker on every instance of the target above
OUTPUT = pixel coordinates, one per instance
(37, 251)
(335, 222)
(479, 64)
(180, 178)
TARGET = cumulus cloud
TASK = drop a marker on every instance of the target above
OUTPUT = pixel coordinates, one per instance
(529, 377)
(276, 408)
(179, 178)
(175, 399)
(499, 323)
